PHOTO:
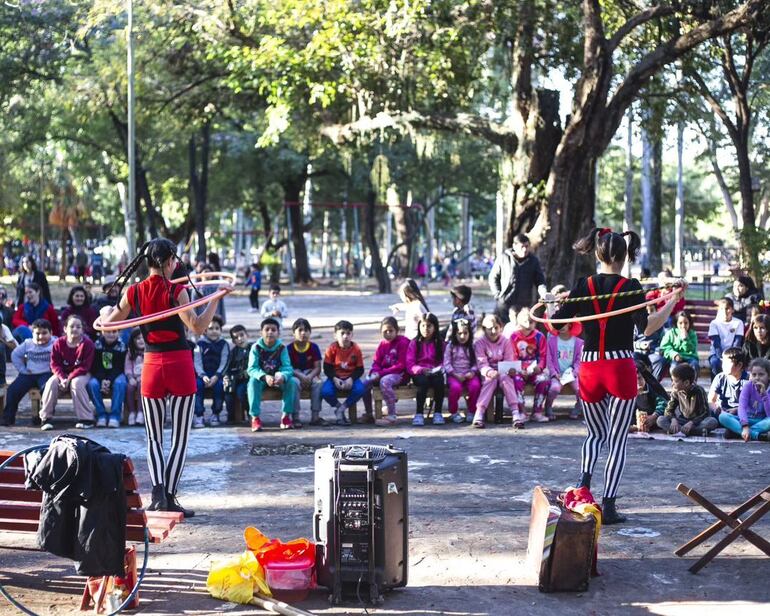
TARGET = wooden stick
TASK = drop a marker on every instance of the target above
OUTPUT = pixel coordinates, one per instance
(273, 605)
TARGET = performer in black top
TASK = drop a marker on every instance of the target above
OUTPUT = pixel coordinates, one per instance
(607, 370)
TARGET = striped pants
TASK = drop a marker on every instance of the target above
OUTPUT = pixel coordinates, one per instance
(607, 420)
(165, 472)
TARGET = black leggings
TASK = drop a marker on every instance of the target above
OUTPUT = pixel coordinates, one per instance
(254, 298)
(425, 381)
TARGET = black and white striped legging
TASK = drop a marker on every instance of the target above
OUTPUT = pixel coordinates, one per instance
(607, 420)
(182, 410)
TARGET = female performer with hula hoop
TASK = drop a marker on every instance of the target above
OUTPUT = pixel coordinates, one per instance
(168, 374)
(607, 371)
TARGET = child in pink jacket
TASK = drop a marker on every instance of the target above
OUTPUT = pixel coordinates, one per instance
(563, 350)
(491, 349)
(460, 367)
(425, 364)
(529, 348)
(389, 366)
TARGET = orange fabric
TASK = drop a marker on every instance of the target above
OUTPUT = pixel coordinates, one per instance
(345, 361)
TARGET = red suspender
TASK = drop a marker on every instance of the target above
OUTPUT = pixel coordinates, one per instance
(597, 309)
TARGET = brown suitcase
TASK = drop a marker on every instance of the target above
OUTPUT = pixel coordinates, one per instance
(561, 544)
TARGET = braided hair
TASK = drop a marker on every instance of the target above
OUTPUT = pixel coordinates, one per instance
(155, 252)
(609, 246)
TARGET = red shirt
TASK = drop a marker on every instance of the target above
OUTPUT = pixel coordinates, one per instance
(154, 295)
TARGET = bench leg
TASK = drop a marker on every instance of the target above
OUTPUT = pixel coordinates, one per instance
(353, 414)
(377, 408)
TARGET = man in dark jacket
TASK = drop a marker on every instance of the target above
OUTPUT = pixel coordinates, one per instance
(514, 276)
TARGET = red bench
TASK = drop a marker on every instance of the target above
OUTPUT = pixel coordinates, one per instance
(703, 311)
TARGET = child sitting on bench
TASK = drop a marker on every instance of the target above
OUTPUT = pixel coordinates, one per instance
(343, 366)
(725, 390)
(388, 369)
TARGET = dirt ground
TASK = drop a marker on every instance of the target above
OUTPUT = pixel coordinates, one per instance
(469, 504)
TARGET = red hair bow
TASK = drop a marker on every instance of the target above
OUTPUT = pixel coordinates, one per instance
(604, 231)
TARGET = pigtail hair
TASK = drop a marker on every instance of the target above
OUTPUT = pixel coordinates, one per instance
(126, 275)
(586, 245)
(634, 245)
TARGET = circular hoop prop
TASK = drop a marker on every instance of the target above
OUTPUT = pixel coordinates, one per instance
(601, 315)
(221, 278)
(151, 318)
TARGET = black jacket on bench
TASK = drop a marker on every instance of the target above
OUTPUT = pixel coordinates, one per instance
(83, 513)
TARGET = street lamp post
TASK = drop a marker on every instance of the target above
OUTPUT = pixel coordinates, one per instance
(130, 203)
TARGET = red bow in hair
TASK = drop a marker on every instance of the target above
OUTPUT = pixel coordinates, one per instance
(604, 231)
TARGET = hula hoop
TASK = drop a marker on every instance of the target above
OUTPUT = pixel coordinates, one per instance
(211, 283)
(601, 315)
(231, 278)
(586, 298)
(163, 314)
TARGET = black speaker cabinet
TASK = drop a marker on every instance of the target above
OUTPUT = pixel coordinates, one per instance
(361, 520)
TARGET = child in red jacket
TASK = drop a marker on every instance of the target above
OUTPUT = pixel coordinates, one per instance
(529, 348)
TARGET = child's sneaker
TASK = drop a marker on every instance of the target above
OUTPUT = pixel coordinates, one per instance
(469, 417)
(478, 420)
(286, 422)
(295, 421)
(131, 419)
(223, 417)
(46, 426)
(198, 422)
(575, 412)
(538, 418)
(517, 419)
(113, 423)
(438, 419)
(388, 420)
(368, 418)
(101, 422)
(418, 420)
(256, 424)
(139, 418)
(213, 420)
(457, 418)
(84, 425)
(341, 414)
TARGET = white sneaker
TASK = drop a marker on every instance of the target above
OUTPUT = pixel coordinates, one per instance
(341, 414)
(47, 425)
(438, 419)
(213, 420)
(139, 418)
(198, 422)
(113, 423)
(388, 420)
(131, 419)
(84, 425)
(418, 420)
(457, 418)
(223, 417)
(101, 422)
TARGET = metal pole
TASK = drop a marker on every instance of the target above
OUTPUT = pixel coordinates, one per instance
(679, 217)
(129, 210)
(499, 223)
(41, 258)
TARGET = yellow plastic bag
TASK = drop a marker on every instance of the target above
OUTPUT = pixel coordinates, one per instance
(237, 578)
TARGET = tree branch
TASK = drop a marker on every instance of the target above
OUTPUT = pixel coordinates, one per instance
(234, 27)
(638, 20)
(674, 49)
(464, 123)
(715, 105)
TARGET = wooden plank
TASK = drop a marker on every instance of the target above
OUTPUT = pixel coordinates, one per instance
(15, 492)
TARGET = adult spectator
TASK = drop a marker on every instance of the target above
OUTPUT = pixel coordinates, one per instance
(97, 266)
(6, 308)
(79, 303)
(81, 265)
(33, 308)
(110, 295)
(30, 273)
(514, 275)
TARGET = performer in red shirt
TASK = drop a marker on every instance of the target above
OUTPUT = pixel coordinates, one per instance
(168, 376)
(607, 371)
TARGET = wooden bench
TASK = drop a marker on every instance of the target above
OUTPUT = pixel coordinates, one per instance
(20, 507)
(20, 510)
(272, 394)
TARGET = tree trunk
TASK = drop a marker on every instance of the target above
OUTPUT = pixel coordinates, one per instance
(292, 188)
(628, 212)
(679, 268)
(370, 235)
(652, 195)
(199, 180)
(726, 194)
(402, 240)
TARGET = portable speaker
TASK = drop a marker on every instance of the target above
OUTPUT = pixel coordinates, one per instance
(361, 520)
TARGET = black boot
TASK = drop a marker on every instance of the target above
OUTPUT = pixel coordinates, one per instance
(610, 515)
(173, 505)
(585, 481)
(158, 502)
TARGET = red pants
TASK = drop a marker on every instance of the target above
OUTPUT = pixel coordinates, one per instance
(616, 377)
(168, 374)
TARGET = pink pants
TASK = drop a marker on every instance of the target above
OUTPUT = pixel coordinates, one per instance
(488, 388)
(539, 382)
(456, 388)
(554, 389)
(387, 384)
